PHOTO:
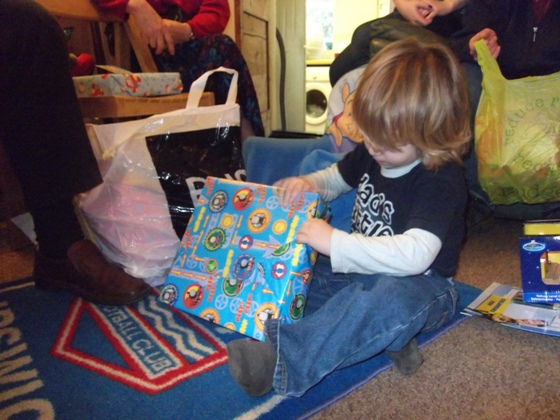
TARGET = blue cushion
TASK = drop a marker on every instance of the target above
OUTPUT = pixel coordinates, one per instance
(268, 160)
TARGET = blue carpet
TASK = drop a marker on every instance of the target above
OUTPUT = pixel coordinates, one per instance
(63, 357)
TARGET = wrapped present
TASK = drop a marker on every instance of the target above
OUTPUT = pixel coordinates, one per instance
(123, 83)
(238, 264)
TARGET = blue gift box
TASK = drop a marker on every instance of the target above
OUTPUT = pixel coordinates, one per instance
(238, 264)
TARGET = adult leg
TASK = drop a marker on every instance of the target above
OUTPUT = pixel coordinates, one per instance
(42, 131)
(41, 125)
(192, 59)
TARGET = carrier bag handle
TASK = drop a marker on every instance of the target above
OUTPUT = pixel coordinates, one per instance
(197, 87)
(488, 64)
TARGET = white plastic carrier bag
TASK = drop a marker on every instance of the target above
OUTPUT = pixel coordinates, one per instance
(153, 171)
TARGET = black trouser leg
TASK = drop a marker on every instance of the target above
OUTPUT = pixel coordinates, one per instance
(41, 126)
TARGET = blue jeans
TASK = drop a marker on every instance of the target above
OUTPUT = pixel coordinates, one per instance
(350, 318)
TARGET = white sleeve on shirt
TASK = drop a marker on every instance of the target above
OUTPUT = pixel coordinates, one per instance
(328, 182)
(407, 254)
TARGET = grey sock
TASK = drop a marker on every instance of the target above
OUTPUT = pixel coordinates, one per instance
(407, 360)
(252, 364)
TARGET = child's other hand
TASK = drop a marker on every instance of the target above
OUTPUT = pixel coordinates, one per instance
(290, 187)
(317, 234)
(491, 39)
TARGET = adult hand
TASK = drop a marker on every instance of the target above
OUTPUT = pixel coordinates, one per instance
(317, 234)
(153, 28)
(180, 32)
(423, 12)
(418, 12)
(289, 188)
(491, 39)
(444, 7)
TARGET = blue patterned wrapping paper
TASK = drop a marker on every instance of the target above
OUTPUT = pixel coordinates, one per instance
(238, 264)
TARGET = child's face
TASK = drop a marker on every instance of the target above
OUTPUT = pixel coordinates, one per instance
(390, 159)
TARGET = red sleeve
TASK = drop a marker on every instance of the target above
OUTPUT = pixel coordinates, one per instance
(211, 18)
(117, 7)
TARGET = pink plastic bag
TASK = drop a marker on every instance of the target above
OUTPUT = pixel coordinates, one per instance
(132, 227)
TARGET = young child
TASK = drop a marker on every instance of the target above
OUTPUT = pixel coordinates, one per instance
(391, 278)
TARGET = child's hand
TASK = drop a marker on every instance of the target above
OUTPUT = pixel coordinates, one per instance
(491, 39)
(317, 234)
(290, 187)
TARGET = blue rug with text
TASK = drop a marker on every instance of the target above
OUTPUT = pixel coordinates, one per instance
(62, 357)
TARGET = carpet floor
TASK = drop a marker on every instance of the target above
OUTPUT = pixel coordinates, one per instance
(479, 369)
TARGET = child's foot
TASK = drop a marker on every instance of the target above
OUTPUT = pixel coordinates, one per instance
(407, 360)
(252, 364)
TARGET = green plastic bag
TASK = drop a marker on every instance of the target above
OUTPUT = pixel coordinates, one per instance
(517, 135)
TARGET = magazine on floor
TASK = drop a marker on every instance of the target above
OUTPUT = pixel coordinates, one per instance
(504, 304)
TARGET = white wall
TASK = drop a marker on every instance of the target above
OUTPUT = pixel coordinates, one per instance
(349, 14)
(290, 20)
(230, 28)
(339, 19)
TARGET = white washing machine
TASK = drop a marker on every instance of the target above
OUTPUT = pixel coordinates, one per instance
(317, 91)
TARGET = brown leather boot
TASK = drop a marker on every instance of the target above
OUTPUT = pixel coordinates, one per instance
(89, 275)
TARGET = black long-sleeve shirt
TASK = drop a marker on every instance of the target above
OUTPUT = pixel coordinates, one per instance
(527, 48)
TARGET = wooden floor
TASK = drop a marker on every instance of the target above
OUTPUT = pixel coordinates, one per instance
(14, 265)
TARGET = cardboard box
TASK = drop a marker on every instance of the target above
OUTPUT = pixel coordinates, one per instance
(540, 261)
(541, 227)
(238, 264)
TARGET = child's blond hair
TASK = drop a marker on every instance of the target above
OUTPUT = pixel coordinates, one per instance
(415, 93)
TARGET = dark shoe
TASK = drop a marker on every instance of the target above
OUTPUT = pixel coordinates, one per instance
(252, 364)
(89, 275)
(407, 360)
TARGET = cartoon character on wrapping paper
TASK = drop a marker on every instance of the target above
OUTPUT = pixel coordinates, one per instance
(343, 133)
